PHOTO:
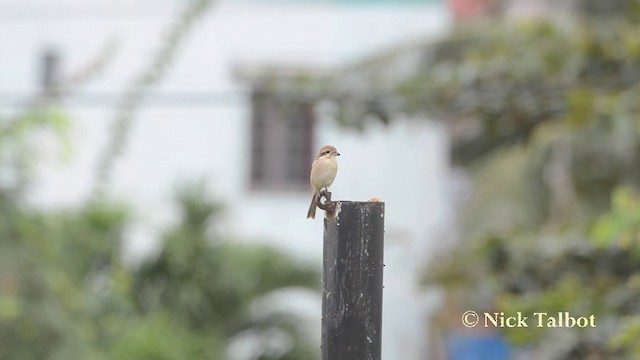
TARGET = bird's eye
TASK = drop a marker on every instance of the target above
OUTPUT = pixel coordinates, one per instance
(326, 152)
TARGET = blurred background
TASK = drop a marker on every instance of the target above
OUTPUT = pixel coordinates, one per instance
(154, 160)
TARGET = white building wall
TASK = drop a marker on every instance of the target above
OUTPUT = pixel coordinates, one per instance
(404, 164)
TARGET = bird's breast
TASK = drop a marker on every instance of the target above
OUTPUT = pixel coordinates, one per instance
(323, 172)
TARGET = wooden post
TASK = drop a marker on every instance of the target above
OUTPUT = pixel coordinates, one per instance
(352, 282)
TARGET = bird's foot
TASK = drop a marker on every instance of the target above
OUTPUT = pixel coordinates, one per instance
(326, 205)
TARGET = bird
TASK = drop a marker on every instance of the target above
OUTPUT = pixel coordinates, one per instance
(323, 172)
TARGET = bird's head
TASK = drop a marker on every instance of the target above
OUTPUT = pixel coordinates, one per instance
(328, 151)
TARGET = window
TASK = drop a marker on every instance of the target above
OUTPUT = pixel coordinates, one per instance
(281, 143)
(49, 71)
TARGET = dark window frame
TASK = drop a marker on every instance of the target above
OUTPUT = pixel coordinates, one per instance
(282, 133)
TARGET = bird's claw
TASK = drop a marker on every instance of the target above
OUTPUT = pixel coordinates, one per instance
(328, 205)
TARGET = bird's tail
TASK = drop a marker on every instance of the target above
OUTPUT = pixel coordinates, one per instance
(311, 214)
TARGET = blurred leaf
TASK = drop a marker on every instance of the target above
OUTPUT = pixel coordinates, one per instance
(621, 226)
(209, 282)
(580, 105)
(628, 336)
(157, 336)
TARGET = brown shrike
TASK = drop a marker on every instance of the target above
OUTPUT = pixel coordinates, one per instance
(323, 172)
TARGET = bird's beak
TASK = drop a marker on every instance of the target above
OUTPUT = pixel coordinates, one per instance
(337, 154)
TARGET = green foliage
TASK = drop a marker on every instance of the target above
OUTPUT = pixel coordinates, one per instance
(21, 139)
(553, 271)
(159, 336)
(621, 226)
(545, 118)
(507, 79)
(65, 294)
(540, 244)
(57, 293)
(209, 284)
(496, 81)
